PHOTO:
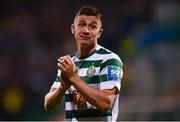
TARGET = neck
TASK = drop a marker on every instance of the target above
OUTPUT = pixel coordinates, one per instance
(84, 50)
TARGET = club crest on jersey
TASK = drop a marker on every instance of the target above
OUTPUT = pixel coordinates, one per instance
(91, 70)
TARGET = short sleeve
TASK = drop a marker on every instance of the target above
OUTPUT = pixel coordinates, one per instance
(111, 72)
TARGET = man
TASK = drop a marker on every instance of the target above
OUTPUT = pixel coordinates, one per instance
(91, 78)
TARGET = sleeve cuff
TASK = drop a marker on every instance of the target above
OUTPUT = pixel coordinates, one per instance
(110, 85)
(56, 85)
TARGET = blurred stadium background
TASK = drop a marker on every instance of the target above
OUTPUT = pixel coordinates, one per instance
(145, 33)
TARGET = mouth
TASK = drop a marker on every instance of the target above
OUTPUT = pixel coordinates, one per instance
(85, 37)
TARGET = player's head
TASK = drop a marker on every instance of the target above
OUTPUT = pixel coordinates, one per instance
(89, 11)
(87, 26)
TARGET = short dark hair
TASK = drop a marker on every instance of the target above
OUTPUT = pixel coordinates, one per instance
(89, 11)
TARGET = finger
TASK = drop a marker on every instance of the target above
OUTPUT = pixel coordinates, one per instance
(70, 59)
(62, 68)
(58, 64)
(60, 58)
(67, 61)
(72, 62)
(62, 62)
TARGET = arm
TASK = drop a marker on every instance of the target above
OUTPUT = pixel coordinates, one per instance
(55, 95)
(53, 98)
(102, 99)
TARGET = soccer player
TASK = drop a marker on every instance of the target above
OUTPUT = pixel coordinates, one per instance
(90, 79)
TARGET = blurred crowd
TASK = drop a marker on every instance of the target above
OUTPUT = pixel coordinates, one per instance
(144, 33)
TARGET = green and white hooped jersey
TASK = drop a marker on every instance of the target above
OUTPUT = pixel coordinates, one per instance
(101, 69)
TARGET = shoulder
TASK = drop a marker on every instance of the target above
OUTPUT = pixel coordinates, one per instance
(108, 54)
(102, 50)
(109, 58)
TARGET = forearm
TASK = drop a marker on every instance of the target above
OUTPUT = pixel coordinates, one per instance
(94, 96)
(52, 99)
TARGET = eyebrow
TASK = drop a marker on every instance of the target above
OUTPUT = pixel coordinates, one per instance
(93, 22)
(81, 21)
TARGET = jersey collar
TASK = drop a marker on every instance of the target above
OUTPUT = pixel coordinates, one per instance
(90, 54)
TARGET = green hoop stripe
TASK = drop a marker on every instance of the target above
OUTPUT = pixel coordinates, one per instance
(87, 64)
(111, 62)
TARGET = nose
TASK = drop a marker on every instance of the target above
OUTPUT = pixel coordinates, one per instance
(86, 31)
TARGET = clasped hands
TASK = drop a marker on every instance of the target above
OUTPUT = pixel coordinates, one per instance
(67, 67)
(68, 71)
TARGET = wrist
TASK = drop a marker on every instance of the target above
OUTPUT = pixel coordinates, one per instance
(63, 88)
(73, 78)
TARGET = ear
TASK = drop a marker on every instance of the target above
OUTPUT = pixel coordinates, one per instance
(100, 32)
(72, 28)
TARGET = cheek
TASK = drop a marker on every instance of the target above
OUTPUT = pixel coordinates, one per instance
(96, 35)
(76, 32)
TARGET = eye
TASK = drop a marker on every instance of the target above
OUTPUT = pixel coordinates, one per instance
(93, 27)
(81, 24)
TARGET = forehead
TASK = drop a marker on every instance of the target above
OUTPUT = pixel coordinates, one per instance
(87, 19)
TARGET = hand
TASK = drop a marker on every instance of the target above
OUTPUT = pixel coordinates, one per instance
(67, 67)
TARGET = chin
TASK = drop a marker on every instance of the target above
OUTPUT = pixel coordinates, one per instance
(85, 42)
(88, 44)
